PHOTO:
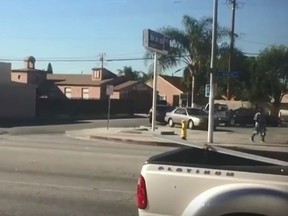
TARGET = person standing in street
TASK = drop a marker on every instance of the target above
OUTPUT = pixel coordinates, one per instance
(260, 126)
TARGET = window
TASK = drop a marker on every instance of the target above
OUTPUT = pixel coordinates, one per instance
(162, 97)
(67, 92)
(85, 93)
(180, 111)
(192, 111)
(97, 74)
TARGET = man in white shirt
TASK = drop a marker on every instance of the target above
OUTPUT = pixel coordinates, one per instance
(260, 126)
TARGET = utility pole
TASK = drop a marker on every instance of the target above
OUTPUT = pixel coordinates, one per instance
(102, 56)
(231, 50)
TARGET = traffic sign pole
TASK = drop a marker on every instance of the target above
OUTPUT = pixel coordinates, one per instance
(154, 102)
(212, 66)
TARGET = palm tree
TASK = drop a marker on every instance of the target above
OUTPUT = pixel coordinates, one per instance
(191, 46)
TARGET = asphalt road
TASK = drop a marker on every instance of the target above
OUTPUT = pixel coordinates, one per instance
(55, 175)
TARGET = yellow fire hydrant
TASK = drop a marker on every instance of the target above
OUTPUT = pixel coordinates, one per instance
(183, 130)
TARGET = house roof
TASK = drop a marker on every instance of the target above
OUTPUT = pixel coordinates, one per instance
(26, 70)
(75, 79)
(176, 82)
(125, 85)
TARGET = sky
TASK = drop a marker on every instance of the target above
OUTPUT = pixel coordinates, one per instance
(83, 29)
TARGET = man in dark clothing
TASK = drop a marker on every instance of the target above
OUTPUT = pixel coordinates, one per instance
(260, 126)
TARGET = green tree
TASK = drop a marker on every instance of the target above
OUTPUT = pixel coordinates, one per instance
(131, 74)
(49, 69)
(191, 46)
(238, 86)
(272, 73)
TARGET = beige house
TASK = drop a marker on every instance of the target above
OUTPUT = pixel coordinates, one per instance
(17, 99)
(80, 86)
(132, 90)
(29, 74)
(171, 90)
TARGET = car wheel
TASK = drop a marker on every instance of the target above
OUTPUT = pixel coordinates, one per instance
(170, 123)
(190, 124)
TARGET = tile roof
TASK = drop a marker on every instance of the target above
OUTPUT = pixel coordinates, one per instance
(82, 80)
(125, 85)
(26, 70)
(176, 82)
(75, 79)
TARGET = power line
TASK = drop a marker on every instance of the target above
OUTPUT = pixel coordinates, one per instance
(94, 60)
(78, 60)
(254, 54)
(254, 42)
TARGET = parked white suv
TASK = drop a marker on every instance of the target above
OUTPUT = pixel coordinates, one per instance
(221, 113)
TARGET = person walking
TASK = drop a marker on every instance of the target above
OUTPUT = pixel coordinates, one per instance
(260, 126)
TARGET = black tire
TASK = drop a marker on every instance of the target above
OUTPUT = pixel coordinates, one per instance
(190, 124)
(170, 122)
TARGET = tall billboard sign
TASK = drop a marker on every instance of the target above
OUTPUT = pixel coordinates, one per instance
(156, 42)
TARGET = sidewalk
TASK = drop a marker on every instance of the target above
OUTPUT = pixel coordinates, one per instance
(164, 136)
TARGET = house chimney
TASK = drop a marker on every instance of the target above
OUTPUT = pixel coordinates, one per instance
(30, 62)
(97, 74)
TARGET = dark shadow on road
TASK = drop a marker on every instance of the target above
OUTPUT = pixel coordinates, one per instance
(63, 120)
(218, 129)
(38, 122)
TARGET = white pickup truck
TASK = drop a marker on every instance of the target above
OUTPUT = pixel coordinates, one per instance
(221, 113)
(193, 181)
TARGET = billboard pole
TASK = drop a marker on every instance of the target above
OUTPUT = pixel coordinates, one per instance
(155, 42)
(154, 102)
(212, 69)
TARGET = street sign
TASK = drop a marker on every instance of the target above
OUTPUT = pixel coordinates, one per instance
(232, 74)
(207, 90)
(109, 90)
(156, 42)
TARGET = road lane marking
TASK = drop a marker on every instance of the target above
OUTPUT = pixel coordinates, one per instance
(66, 187)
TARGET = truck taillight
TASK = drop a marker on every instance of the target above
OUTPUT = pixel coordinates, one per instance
(141, 193)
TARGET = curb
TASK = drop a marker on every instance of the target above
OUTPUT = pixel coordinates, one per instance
(140, 142)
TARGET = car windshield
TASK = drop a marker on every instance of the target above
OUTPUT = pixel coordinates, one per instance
(220, 107)
(192, 111)
(162, 108)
